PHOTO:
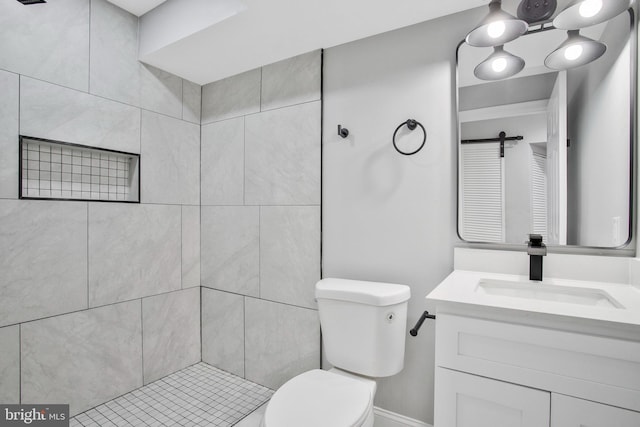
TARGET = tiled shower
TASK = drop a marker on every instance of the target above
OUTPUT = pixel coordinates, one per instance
(217, 262)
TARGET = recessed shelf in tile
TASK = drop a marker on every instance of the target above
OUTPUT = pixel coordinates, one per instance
(59, 170)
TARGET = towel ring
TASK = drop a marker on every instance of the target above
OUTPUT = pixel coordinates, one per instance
(411, 124)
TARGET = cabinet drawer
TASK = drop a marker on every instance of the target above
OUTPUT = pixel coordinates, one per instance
(465, 400)
(571, 412)
(591, 367)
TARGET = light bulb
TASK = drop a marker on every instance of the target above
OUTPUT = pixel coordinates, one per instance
(590, 8)
(499, 65)
(496, 29)
(573, 52)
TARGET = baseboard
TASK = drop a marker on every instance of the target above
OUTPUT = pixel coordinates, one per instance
(386, 418)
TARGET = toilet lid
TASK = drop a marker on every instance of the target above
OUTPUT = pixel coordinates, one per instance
(319, 399)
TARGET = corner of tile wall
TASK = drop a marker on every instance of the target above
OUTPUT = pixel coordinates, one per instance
(223, 322)
(260, 236)
(96, 262)
(234, 96)
(170, 332)
(170, 154)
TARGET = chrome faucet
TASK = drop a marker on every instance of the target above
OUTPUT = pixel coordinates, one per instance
(536, 250)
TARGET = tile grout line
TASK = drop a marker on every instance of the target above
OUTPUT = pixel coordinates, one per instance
(89, 53)
(244, 337)
(200, 224)
(261, 76)
(321, 260)
(260, 252)
(20, 363)
(200, 324)
(142, 341)
(255, 113)
(88, 284)
(181, 247)
(105, 98)
(244, 160)
(92, 308)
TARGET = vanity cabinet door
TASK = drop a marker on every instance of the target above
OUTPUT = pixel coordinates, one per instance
(465, 400)
(571, 412)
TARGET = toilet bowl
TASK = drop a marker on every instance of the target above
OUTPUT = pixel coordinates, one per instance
(320, 398)
(363, 331)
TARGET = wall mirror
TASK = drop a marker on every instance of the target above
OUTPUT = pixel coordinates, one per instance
(563, 167)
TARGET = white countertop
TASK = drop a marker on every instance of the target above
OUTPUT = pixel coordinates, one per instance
(461, 287)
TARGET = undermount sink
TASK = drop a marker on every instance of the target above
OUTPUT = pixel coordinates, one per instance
(547, 292)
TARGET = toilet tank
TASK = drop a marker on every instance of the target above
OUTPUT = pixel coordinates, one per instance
(364, 325)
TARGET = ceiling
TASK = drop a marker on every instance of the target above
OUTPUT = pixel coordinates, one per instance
(268, 31)
(137, 7)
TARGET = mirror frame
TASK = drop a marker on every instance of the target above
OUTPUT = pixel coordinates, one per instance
(629, 247)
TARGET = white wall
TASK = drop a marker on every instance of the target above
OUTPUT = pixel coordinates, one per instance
(389, 217)
(599, 133)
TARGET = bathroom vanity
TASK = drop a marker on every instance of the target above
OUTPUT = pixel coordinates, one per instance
(557, 353)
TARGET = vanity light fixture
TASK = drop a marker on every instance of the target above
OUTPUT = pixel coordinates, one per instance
(497, 28)
(577, 50)
(585, 13)
(499, 65)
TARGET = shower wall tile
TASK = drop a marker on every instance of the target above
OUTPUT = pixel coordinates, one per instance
(53, 112)
(170, 160)
(290, 254)
(43, 259)
(190, 246)
(191, 101)
(230, 248)
(49, 42)
(83, 358)
(292, 81)
(134, 251)
(160, 91)
(283, 156)
(171, 332)
(10, 365)
(222, 170)
(223, 330)
(231, 97)
(9, 122)
(281, 341)
(115, 70)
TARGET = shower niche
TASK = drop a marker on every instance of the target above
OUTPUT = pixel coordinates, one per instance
(56, 170)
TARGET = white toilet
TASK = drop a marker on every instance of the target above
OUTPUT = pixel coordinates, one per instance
(363, 332)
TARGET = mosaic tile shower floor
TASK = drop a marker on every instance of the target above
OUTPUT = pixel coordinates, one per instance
(199, 395)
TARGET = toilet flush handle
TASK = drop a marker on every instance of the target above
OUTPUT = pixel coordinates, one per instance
(425, 315)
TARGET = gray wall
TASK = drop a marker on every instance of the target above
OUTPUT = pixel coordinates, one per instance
(599, 130)
(97, 298)
(389, 217)
(260, 175)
